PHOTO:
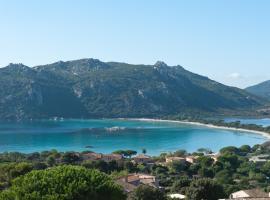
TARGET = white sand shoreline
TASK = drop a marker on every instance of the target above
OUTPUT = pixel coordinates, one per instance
(264, 134)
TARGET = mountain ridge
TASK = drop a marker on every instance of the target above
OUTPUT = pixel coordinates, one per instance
(90, 88)
(261, 89)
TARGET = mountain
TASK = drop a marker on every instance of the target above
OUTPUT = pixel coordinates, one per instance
(89, 88)
(261, 90)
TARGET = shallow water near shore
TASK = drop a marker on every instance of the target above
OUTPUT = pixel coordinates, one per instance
(108, 135)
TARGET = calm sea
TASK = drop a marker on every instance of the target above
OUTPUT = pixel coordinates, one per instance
(109, 135)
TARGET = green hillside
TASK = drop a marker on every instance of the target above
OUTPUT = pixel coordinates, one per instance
(89, 88)
(262, 89)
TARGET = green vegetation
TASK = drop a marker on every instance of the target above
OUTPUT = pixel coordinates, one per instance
(63, 182)
(57, 175)
(126, 153)
(144, 192)
(236, 124)
(204, 189)
(144, 151)
(261, 89)
(89, 88)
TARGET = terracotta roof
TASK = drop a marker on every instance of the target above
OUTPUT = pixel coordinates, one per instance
(141, 177)
(93, 155)
(132, 178)
(114, 156)
(131, 181)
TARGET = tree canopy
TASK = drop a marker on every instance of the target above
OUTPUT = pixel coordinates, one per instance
(144, 192)
(204, 189)
(63, 183)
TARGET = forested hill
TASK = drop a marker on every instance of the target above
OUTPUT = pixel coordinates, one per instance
(90, 88)
(262, 89)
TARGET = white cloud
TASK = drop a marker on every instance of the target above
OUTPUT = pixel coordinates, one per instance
(235, 75)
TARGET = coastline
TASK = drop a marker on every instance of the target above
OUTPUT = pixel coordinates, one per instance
(264, 134)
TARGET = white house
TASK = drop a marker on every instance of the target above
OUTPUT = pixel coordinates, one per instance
(177, 196)
(253, 193)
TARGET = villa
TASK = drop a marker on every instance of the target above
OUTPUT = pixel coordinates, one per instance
(141, 158)
(105, 157)
(259, 158)
(250, 195)
(191, 159)
(92, 156)
(175, 159)
(132, 181)
(214, 156)
(111, 157)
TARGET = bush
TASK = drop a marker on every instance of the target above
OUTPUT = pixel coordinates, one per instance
(229, 149)
(180, 185)
(204, 189)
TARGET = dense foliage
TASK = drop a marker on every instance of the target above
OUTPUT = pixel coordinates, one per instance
(63, 183)
(91, 88)
(204, 189)
(144, 192)
(232, 171)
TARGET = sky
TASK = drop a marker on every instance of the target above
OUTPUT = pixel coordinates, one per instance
(226, 40)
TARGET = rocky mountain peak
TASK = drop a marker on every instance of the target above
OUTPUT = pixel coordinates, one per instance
(160, 64)
(17, 67)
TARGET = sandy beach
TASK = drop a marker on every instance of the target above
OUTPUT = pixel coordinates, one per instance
(264, 134)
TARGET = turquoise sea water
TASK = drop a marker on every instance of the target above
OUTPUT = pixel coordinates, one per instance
(109, 135)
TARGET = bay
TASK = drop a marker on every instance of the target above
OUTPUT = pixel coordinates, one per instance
(108, 135)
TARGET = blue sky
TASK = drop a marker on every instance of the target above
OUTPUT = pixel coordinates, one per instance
(226, 40)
